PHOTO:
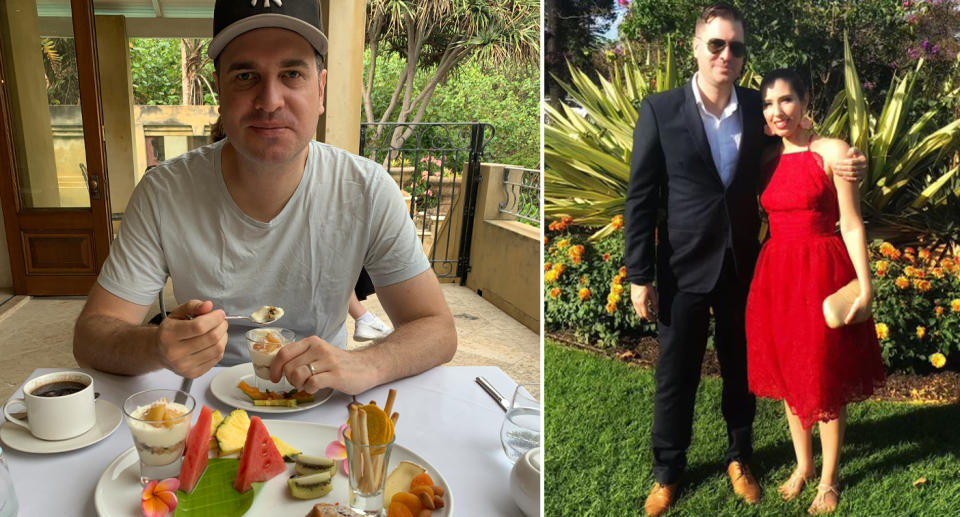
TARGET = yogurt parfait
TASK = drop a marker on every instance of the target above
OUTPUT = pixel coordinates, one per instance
(264, 343)
(159, 426)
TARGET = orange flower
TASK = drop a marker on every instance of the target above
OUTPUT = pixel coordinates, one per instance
(882, 266)
(889, 251)
(576, 251)
(617, 289)
(606, 257)
(948, 264)
(938, 360)
(938, 310)
(883, 331)
(617, 222)
(545, 240)
(924, 254)
(937, 272)
(555, 292)
(567, 220)
(623, 271)
(617, 280)
(902, 282)
(547, 266)
(922, 285)
(583, 294)
(561, 244)
(576, 259)
(921, 331)
(955, 305)
(559, 268)
(611, 308)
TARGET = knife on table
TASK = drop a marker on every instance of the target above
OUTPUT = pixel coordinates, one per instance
(494, 394)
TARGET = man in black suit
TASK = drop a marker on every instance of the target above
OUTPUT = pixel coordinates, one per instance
(692, 222)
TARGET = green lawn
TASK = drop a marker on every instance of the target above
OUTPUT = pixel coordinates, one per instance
(598, 458)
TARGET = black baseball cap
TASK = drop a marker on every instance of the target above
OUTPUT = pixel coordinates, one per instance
(232, 18)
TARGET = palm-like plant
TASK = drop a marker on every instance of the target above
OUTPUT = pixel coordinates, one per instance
(906, 159)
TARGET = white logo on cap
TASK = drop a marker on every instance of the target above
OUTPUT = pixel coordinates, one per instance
(266, 3)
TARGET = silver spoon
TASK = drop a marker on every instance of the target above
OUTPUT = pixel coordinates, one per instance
(264, 315)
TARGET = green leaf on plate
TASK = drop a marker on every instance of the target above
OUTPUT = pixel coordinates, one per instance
(215, 495)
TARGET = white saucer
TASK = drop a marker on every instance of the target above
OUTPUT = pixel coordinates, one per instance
(224, 387)
(109, 417)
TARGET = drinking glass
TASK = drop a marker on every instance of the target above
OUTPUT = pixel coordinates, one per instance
(368, 473)
(261, 357)
(520, 431)
(159, 443)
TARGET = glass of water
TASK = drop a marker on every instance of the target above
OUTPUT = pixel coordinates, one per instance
(521, 425)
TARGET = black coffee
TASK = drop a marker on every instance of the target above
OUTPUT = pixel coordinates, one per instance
(58, 389)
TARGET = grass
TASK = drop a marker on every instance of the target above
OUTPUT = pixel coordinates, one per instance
(598, 459)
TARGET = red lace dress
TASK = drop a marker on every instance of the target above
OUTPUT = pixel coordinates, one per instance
(791, 353)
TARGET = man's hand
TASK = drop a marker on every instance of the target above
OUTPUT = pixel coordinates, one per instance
(338, 369)
(191, 340)
(853, 168)
(644, 298)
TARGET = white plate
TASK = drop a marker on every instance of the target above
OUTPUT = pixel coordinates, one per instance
(224, 387)
(109, 417)
(118, 491)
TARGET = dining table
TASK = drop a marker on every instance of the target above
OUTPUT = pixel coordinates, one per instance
(445, 417)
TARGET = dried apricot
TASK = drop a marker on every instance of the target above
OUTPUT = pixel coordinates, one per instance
(409, 500)
(421, 479)
(425, 493)
(398, 509)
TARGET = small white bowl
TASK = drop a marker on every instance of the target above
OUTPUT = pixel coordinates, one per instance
(525, 482)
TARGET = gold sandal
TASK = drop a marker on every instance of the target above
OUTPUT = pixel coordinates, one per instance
(820, 506)
(793, 486)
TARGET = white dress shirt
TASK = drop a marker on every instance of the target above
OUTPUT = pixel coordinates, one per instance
(723, 133)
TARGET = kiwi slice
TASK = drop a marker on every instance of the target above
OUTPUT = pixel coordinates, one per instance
(310, 487)
(306, 465)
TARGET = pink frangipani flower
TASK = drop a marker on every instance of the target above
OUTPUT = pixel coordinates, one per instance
(337, 450)
(159, 498)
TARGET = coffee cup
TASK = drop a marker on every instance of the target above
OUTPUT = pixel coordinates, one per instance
(59, 405)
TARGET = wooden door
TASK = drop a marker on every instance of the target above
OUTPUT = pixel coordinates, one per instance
(57, 221)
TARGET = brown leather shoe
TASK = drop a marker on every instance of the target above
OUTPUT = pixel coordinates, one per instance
(744, 484)
(660, 500)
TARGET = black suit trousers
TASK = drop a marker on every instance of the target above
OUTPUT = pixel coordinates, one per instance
(683, 326)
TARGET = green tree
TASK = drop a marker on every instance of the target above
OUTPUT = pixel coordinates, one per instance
(442, 34)
(160, 67)
(571, 35)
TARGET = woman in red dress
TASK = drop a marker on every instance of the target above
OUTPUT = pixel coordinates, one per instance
(792, 354)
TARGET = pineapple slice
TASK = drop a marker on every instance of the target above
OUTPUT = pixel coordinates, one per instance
(215, 419)
(286, 450)
(232, 432)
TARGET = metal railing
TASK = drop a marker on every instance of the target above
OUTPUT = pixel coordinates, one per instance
(522, 194)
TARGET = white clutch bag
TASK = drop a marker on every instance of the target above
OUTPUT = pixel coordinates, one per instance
(837, 305)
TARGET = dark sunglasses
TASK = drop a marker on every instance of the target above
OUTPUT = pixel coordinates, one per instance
(716, 46)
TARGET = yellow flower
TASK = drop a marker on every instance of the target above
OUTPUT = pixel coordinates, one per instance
(611, 308)
(563, 243)
(937, 272)
(555, 292)
(583, 294)
(902, 282)
(550, 276)
(938, 360)
(889, 251)
(559, 268)
(617, 222)
(616, 288)
(938, 310)
(617, 280)
(883, 331)
(921, 331)
(882, 266)
(955, 305)
(623, 271)
(613, 298)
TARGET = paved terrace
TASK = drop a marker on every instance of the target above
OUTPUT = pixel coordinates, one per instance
(38, 332)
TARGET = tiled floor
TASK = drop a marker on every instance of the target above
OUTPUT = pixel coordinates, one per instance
(38, 332)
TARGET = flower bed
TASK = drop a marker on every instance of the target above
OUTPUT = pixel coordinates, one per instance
(916, 307)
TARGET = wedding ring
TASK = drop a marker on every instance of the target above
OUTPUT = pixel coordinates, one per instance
(313, 371)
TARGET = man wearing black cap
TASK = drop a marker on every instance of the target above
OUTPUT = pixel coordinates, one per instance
(267, 216)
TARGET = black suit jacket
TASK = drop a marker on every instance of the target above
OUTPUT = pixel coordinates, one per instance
(679, 217)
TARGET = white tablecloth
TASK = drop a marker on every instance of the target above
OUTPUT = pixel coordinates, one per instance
(445, 417)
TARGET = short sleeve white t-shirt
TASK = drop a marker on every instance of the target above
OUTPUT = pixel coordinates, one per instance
(181, 222)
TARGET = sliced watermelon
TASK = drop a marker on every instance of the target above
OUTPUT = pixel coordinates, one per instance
(260, 459)
(198, 449)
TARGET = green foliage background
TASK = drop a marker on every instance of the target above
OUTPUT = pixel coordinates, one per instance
(155, 71)
(508, 98)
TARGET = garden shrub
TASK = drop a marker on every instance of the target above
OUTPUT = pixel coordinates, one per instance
(584, 286)
(916, 307)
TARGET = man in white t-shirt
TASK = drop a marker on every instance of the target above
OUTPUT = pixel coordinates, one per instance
(266, 217)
